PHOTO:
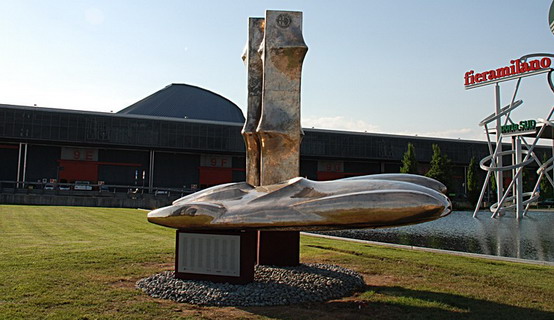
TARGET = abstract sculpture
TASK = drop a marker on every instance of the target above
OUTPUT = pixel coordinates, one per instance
(273, 197)
(301, 204)
(236, 222)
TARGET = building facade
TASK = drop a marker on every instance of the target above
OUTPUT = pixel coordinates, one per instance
(154, 152)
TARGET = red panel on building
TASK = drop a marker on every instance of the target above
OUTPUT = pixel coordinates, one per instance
(71, 171)
(8, 146)
(211, 176)
(324, 176)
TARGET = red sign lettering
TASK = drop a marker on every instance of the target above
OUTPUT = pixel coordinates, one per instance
(517, 67)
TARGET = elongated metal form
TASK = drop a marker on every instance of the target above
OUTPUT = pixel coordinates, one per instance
(301, 204)
(253, 62)
(282, 51)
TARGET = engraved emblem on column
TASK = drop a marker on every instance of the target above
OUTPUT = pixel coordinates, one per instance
(283, 20)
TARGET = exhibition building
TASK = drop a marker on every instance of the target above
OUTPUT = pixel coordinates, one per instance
(181, 139)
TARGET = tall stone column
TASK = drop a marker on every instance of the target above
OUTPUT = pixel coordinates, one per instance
(282, 52)
(253, 62)
(279, 132)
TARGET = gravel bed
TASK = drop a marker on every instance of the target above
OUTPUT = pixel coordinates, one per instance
(272, 286)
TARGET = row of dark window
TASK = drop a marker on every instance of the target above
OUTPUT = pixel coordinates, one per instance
(64, 126)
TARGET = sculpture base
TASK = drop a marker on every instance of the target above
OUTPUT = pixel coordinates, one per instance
(279, 248)
(216, 256)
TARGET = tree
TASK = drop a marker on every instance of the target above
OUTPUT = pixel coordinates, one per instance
(440, 167)
(472, 183)
(409, 162)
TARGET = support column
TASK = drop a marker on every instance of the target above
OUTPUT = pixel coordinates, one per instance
(151, 172)
(18, 165)
(25, 164)
(514, 160)
(21, 165)
(279, 248)
(499, 175)
(519, 181)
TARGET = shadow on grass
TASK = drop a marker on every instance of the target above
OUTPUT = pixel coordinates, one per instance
(401, 303)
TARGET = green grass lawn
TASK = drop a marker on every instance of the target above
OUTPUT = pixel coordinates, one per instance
(82, 263)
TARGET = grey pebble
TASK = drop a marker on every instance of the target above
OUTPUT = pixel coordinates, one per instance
(272, 286)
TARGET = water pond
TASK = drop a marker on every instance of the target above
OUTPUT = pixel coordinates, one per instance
(531, 237)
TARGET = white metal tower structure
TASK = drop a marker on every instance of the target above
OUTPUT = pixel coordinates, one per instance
(523, 135)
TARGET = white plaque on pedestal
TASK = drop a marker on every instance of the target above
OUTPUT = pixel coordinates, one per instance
(212, 254)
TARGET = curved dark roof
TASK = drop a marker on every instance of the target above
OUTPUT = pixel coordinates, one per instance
(186, 102)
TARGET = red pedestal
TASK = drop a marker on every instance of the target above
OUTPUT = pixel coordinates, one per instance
(216, 256)
(279, 248)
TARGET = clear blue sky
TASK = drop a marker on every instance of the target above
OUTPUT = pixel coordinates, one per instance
(381, 66)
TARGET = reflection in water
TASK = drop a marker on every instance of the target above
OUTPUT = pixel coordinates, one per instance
(529, 238)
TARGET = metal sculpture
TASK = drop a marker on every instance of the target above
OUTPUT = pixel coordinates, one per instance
(273, 196)
(245, 215)
(524, 136)
(300, 204)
